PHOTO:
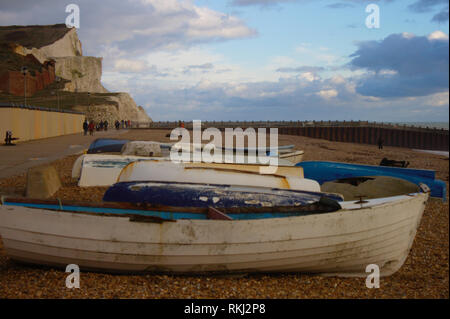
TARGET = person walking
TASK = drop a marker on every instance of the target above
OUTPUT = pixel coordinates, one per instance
(380, 143)
(105, 124)
(91, 128)
(85, 127)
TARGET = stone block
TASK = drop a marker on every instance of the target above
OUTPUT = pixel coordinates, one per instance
(42, 182)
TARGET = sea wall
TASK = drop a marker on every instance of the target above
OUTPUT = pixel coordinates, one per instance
(30, 124)
(362, 132)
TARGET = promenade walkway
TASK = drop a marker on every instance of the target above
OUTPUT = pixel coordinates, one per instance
(17, 159)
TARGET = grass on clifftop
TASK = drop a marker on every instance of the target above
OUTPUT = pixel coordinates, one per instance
(33, 36)
(53, 97)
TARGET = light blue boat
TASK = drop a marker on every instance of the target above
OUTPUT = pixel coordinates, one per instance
(323, 171)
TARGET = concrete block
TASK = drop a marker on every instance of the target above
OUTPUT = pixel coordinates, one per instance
(42, 182)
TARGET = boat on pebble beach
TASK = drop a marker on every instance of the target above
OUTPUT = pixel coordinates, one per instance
(165, 171)
(329, 237)
(104, 169)
(324, 171)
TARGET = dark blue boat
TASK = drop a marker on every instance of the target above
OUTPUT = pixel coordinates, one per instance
(216, 196)
(323, 171)
(106, 145)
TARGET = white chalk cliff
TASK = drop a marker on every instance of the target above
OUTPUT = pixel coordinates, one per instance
(84, 74)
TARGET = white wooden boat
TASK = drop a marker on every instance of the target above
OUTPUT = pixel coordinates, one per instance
(343, 243)
(166, 171)
(101, 170)
(104, 169)
(293, 157)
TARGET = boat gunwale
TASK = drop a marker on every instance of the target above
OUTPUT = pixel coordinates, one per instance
(193, 210)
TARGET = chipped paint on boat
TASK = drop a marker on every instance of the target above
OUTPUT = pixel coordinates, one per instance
(340, 243)
(213, 195)
(103, 170)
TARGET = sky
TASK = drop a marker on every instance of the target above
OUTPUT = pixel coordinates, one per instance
(265, 59)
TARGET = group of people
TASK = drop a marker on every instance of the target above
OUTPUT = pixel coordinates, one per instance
(103, 126)
(122, 124)
(92, 126)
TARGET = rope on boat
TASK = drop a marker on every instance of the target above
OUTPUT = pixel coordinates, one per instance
(60, 204)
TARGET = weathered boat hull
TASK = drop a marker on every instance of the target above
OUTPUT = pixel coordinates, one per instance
(104, 169)
(101, 170)
(341, 243)
(106, 145)
(165, 171)
(323, 171)
(200, 195)
(293, 157)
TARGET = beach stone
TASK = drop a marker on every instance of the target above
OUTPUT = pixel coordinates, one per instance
(142, 148)
(369, 187)
(42, 182)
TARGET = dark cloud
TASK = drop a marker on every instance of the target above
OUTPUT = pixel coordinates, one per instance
(302, 103)
(205, 66)
(421, 6)
(132, 26)
(403, 65)
(267, 3)
(441, 17)
(312, 69)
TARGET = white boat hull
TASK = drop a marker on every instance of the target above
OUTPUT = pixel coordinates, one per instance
(293, 157)
(103, 170)
(164, 171)
(341, 243)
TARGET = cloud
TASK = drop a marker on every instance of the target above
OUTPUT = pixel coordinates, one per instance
(301, 69)
(285, 99)
(441, 17)
(403, 65)
(328, 94)
(421, 6)
(269, 3)
(136, 66)
(259, 2)
(136, 26)
(205, 67)
(125, 65)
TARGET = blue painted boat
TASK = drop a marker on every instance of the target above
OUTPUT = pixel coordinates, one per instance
(323, 171)
(216, 196)
(106, 145)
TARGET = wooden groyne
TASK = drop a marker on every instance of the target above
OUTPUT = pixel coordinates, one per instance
(363, 132)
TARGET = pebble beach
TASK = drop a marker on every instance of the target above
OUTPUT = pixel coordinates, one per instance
(425, 273)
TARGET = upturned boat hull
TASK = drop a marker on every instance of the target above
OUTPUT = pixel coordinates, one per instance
(379, 232)
(323, 171)
(165, 171)
(104, 169)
